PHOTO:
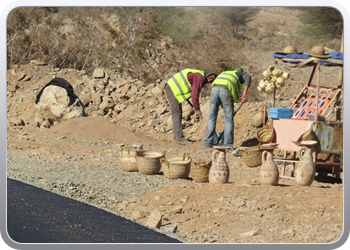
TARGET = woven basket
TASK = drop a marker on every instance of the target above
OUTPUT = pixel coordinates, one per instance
(148, 162)
(176, 167)
(200, 170)
(309, 135)
(266, 134)
(258, 119)
(252, 156)
(128, 160)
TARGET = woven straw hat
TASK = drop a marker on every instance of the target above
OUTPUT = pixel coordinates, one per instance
(289, 50)
(319, 52)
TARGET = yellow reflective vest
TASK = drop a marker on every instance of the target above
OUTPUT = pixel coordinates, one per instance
(231, 81)
(180, 85)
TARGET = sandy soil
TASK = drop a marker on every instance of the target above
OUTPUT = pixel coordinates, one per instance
(239, 211)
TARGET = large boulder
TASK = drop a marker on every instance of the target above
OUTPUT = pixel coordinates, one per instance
(57, 103)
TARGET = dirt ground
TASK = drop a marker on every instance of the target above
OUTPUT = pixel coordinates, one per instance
(239, 211)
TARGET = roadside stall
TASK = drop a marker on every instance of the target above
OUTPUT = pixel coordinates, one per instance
(314, 116)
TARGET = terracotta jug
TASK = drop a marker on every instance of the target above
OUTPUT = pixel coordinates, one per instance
(219, 171)
(269, 174)
(306, 169)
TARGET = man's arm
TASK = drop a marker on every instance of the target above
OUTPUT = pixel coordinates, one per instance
(247, 81)
(197, 82)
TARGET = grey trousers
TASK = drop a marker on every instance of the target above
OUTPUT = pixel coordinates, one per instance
(176, 113)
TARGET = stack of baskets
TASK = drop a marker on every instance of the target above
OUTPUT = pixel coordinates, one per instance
(148, 162)
(176, 167)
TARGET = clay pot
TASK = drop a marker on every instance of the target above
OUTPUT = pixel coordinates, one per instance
(285, 75)
(219, 171)
(277, 72)
(306, 169)
(265, 74)
(269, 174)
(280, 82)
(262, 84)
(269, 88)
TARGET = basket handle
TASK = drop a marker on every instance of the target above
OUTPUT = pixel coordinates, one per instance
(122, 150)
(186, 155)
(163, 160)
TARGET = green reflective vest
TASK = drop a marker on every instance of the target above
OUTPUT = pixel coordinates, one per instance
(231, 80)
(180, 85)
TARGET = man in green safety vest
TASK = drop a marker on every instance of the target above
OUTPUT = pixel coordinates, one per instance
(225, 91)
(180, 87)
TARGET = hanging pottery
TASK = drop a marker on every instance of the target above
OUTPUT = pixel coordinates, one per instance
(277, 72)
(279, 82)
(269, 88)
(265, 74)
(262, 84)
(285, 75)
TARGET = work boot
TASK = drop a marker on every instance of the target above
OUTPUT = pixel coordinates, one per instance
(183, 141)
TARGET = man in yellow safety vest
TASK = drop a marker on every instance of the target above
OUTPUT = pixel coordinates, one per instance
(226, 89)
(180, 87)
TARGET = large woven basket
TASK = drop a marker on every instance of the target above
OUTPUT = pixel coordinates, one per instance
(266, 134)
(200, 170)
(252, 156)
(177, 167)
(148, 162)
(128, 160)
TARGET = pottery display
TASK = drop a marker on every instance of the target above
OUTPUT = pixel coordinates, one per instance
(272, 78)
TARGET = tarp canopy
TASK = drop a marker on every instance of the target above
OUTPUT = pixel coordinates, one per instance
(305, 60)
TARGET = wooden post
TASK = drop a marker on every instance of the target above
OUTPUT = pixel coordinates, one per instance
(317, 90)
(340, 83)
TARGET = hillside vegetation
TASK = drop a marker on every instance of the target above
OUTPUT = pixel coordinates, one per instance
(84, 38)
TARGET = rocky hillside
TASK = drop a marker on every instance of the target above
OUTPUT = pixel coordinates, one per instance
(123, 100)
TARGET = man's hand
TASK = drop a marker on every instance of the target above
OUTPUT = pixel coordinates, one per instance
(199, 114)
(244, 98)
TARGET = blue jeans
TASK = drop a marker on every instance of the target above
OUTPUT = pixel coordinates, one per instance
(220, 96)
